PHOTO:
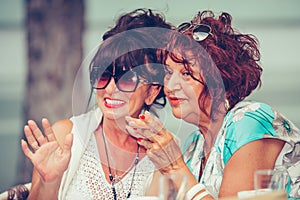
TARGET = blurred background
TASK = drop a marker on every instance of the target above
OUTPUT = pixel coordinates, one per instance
(276, 24)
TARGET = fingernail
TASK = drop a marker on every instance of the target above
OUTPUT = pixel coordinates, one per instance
(30, 122)
(135, 129)
(142, 116)
(139, 140)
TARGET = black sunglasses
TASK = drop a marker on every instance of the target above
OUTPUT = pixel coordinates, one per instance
(126, 81)
(200, 31)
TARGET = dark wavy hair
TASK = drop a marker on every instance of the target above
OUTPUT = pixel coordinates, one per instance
(228, 60)
(139, 18)
(133, 44)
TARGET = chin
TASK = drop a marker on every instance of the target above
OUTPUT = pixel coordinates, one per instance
(177, 114)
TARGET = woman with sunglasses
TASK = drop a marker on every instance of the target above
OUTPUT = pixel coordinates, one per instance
(100, 160)
(210, 70)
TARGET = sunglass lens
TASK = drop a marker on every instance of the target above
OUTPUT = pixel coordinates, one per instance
(128, 81)
(103, 80)
(183, 27)
(201, 32)
(202, 28)
(200, 36)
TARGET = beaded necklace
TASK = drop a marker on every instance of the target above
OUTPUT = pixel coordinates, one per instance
(113, 179)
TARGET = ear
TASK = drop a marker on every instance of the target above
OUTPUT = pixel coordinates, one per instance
(152, 93)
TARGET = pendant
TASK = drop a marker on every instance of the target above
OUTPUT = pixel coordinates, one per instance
(117, 178)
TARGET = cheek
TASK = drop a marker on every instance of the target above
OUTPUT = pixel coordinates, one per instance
(136, 104)
(197, 92)
(99, 94)
(191, 91)
(137, 98)
(165, 89)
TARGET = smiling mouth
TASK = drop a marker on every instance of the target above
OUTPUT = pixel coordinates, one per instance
(113, 103)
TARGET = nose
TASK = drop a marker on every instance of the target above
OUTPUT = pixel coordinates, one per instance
(111, 87)
(173, 82)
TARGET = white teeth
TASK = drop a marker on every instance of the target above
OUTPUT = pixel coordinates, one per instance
(113, 102)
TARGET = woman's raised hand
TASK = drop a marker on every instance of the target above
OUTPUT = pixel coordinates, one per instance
(162, 147)
(49, 158)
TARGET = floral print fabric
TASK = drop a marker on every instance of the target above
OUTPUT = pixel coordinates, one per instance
(246, 122)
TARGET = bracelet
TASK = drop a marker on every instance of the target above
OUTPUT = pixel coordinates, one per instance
(201, 195)
(18, 192)
(194, 190)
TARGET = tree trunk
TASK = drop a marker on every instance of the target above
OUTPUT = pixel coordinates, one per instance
(54, 38)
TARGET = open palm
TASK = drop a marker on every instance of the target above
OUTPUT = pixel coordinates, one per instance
(48, 157)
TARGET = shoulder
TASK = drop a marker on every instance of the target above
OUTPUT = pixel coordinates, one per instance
(64, 124)
(94, 115)
(256, 119)
(246, 110)
(247, 122)
(248, 117)
(61, 128)
(251, 121)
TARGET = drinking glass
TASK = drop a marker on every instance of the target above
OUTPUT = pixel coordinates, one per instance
(268, 184)
(166, 187)
(172, 187)
(268, 180)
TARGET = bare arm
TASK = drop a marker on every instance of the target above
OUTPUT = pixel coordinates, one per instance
(239, 171)
(51, 159)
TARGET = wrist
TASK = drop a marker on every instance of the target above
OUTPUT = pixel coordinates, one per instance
(176, 167)
(41, 187)
(51, 187)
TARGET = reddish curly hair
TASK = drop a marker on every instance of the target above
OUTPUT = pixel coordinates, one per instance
(229, 60)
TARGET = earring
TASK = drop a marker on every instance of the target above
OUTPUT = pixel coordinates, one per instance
(226, 104)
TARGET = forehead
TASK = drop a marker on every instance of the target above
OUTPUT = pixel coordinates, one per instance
(187, 61)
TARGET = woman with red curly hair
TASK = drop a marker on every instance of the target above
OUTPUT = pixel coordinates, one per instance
(210, 69)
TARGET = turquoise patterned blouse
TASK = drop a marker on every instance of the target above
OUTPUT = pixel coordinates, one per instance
(246, 122)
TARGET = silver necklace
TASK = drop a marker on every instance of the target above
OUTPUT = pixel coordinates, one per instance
(114, 178)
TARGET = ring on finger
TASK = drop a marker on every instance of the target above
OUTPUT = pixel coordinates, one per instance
(35, 148)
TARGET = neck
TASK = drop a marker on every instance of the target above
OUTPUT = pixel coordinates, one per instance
(210, 129)
(117, 135)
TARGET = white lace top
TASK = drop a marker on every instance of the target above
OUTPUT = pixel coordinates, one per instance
(85, 178)
(89, 181)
